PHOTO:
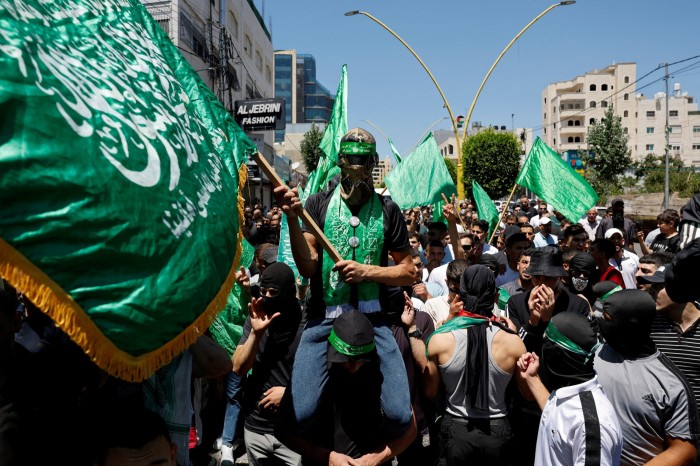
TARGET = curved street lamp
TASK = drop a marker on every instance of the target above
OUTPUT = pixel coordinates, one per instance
(460, 192)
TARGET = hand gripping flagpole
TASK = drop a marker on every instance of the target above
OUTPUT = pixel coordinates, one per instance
(310, 223)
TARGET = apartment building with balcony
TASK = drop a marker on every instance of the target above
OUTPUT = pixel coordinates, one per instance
(569, 108)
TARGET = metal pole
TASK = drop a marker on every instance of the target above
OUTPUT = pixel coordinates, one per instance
(666, 152)
(460, 185)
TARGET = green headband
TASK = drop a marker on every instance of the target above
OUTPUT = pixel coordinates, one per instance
(346, 349)
(357, 148)
(611, 292)
(561, 340)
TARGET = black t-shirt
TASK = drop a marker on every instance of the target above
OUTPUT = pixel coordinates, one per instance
(272, 368)
(663, 244)
(350, 419)
(519, 313)
(395, 240)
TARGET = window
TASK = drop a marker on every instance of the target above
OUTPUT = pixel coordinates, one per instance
(626, 113)
(625, 130)
(545, 100)
(577, 139)
(627, 79)
(592, 87)
(545, 115)
(626, 97)
(450, 149)
(650, 130)
(555, 142)
(545, 130)
(248, 46)
(676, 148)
(650, 146)
(673, 113)
(592, 104)
(591, 121)
(696, 146)
(651, 114)
(571, 139)
(696, 130)
(604, 103)
(233, 22)
(571, 123)
(555, 126)
(676, 129)
(604, 87)
(554, 110)
(577, 123)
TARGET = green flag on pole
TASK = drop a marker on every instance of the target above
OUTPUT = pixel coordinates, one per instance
(548, 176)
(395, 152)
(336, 128)
(421, 178)
(485, 206)
(121, 178)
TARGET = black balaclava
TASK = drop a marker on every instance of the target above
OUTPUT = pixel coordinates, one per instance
(279, 275)
(356, 182)
(561, 366)
(628, 331)
(477, 288)
(582, 262)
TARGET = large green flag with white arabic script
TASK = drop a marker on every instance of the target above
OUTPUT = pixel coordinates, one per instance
(421, 178)
(119, 181)
(485, 206)
(547, 175)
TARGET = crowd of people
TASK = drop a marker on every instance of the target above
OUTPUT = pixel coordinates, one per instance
(548, 341)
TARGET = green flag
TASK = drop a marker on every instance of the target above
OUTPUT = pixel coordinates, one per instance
(485, 206)
(548, 176)
(336, 128)
(421, 178)
(120, 183)
(395, 152)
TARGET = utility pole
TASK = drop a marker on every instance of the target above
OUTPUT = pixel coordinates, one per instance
(666, 147)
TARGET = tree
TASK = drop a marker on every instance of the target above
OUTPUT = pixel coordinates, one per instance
(607, 157)
(652, 171)
(310, 148)
(493, 160)
(452, 169)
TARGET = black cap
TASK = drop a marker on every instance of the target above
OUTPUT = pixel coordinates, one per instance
(658, 277)
(351, 339)
(602, 291)
(512, 234)
(617, 200)
(546, 261)
(490, 261)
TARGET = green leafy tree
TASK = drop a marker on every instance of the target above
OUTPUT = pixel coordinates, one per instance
(310, 148)
(452, 169)
(493, 160)
(608, 156)
(651, 170)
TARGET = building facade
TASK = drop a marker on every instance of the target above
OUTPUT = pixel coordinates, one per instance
(569, 108)
(230, 47)
(380, 171)
(306, 99)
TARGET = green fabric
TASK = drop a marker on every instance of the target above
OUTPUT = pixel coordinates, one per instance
(421, 178)
(370, 232)
(357, 148)
(555, 336)
(548, 176)
(348, 349)
(119, 169)
(458, 323)
(611, 292)
(336, 128)
(394, 151)
(485, 206)
(227, 328)
(503, 297)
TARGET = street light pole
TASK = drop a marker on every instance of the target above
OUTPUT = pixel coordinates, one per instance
(460, 186)
(478, 92)
(666, 149)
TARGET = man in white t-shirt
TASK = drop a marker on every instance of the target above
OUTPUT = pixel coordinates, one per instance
(625, 261)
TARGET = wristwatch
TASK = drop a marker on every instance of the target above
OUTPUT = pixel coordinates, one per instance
(415, 334)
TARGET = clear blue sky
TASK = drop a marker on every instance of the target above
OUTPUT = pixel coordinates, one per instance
(459, 40)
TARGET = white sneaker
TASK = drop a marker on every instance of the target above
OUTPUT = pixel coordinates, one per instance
(227, 455)
(217, 444)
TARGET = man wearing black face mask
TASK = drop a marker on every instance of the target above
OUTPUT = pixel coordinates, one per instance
(619, 221)
(365, 229)
(270, 337)
(582, 276)
(586, 426)
(652, 399)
